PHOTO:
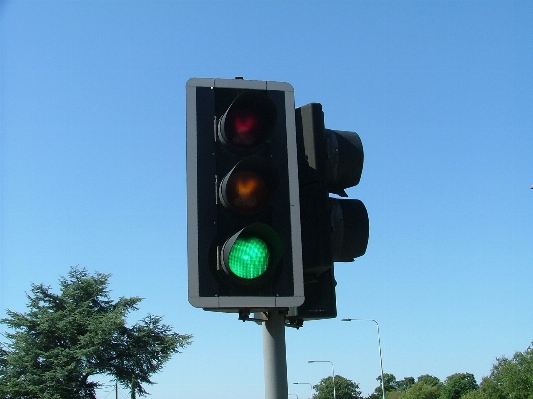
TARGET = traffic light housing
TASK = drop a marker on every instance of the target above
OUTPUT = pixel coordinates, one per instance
(333, 229)
(244, 237)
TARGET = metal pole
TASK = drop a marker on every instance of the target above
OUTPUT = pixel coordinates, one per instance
(305, 383)
(332, 372)
(379, 347)
(274, 355)
(380, 361)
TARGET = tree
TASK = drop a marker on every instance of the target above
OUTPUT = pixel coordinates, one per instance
(422, 390)
(390, 384)
(66, 338)
(510, 378)
(403, 385)
(429, 380)
(344, 388)
(458, 384)
(477, 394)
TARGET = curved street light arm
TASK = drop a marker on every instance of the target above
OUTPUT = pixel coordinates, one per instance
(379, 347)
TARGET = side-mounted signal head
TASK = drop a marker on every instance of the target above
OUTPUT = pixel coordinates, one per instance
(349, 229)
(344, 161)
(248, 122)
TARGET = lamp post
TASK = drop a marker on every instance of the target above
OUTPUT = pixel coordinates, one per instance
(332, 373)
(379, 347)
(305, 383)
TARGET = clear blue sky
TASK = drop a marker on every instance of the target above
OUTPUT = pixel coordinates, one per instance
(92, 147)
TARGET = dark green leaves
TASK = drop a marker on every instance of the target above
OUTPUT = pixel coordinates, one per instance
(64, 339)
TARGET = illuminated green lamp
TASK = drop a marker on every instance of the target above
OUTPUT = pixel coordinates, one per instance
(249, 257)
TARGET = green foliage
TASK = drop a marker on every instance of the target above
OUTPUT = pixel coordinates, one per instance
(393, 387)
(457, 385)
(510, 378)
(477, 395)
(393, 395)
(66, 338)
(426, 387)
(429, 380)
(404, 384)
(422, 390)
(344, 388)
(390, 384)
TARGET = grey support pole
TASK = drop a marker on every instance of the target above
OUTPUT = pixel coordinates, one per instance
(274, 354)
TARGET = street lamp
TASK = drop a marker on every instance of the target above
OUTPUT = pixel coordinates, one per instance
(305, 383)
(332, 372)
(379, 347)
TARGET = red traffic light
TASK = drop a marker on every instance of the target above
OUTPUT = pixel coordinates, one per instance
(244, 128)
(248, 122)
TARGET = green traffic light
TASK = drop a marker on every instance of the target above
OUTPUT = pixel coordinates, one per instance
(249, 257)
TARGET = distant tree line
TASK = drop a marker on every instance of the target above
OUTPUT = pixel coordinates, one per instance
(510, 378)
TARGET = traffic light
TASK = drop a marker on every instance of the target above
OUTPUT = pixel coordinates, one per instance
(244, 238)
(333, 229)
